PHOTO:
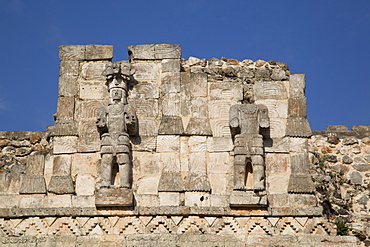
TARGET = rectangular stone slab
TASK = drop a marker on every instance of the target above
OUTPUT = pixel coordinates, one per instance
(109, 197)
(247, 199)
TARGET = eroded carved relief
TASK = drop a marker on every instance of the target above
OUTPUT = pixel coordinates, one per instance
(116, 122)
(246, 122)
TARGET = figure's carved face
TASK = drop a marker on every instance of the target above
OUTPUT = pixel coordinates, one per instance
(248, 97)
(116, 68)
(116, 95)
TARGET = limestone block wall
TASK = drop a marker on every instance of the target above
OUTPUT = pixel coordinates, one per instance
(341, 166)
(182, 158)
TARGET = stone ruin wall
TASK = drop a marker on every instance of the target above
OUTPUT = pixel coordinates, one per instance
(182, 160)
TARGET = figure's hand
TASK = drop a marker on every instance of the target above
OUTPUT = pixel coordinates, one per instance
(234, 123)
(100, 123)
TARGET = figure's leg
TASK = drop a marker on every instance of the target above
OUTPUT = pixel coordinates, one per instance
(106, 169)
(258, 172)
(123, 161)
(239, 172)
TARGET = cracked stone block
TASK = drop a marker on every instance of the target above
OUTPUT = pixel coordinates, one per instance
(99, 52)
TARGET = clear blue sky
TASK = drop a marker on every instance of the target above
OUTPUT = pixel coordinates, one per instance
(329, 41)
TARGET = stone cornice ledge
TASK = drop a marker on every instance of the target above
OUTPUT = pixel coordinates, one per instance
(182, 210)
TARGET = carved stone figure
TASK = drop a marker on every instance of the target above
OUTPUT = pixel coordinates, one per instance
(246, 122)
(116, 122)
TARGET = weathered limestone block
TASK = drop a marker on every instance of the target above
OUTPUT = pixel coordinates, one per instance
(197, 182)
(299, 162)
(170, 181)
(34, 201)
(336, 128)
(277, 163)
(86, 144)
(67, 67)
(61, 181)
(59, 201)
(198, 108)
(171, 65)
(85, 185)
(9, 201)
(170, 161)
(170, 82)
(99, 52)
(198, 126)
(63, 129)
(148, 126)
(219, 108)
(298, 127)
(278, 200)
(300, 184)
(87, 109)
(72, 52)
(270, 90)
(169, 198)
(68, 74)
(194, 85)
(147, 163)
(87, 128)
(65, 109)
(158, 51)
(145, 108)
(144, 90)
(147, 200)
(219, 163)
(92, 90)
(67, 85)
(170, 104)
(276, 108)
(297, 86)
(85, 163)
(197, 144)
(302, 200)
(226, 90)
(171, 125)
(83, 201)
(168, 143)
(297, 107)
(219, 183)
(277, 183)
(198, 162)
(220, 200)
(219, 144)
(220, 128)
(147, 184)
(277, 145)
(33, 182)
(167, 51)
(277, 127)
(197, 199)
(93, 71)
(141, 52)
(247, 199)
(298, 144)
(109, 197)
(144, 143)
(64, 144)
(146, 71)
